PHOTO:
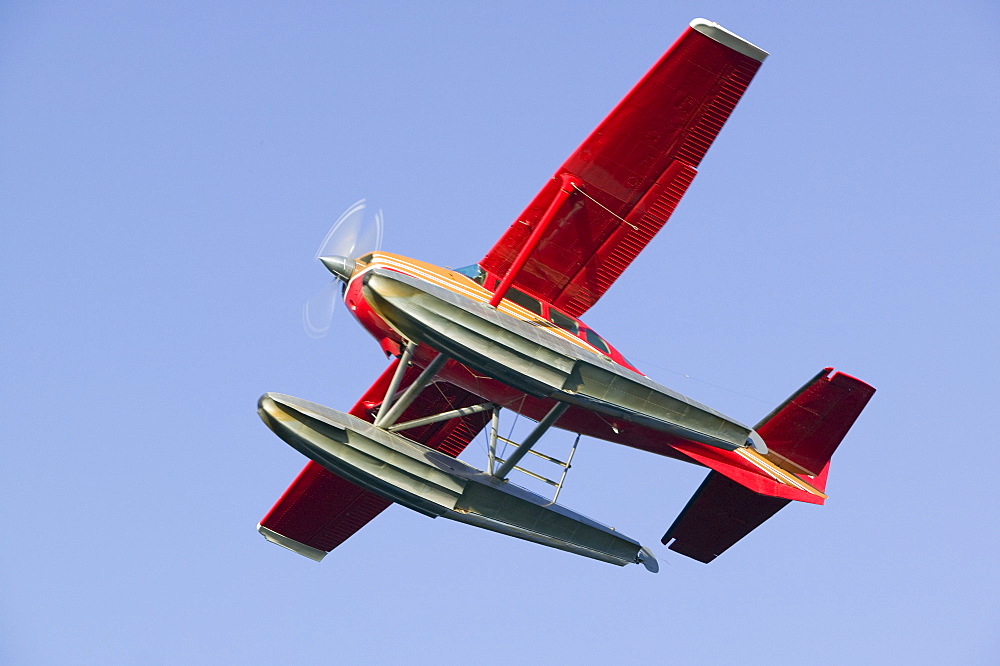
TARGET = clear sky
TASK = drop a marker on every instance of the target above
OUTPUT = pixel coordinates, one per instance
(167, 170)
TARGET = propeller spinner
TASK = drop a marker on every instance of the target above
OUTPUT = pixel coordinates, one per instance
(356, 232)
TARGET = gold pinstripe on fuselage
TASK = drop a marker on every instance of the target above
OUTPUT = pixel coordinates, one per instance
(460, 284)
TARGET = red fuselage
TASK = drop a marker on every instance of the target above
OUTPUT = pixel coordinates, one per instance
(576, 419)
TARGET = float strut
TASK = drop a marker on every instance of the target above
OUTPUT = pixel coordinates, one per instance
(397, 377)
(532, 439)
(494, 432)
(443, 416)
(412, 391)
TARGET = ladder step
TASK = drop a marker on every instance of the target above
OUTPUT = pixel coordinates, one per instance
(549, 458)
(552, 460)
(531, 474)
(537, 476)
(516, 454)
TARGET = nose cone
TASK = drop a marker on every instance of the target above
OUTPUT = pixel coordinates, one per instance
(342, 267)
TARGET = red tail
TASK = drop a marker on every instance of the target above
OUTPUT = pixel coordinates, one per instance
(801, 435)
(805, 430)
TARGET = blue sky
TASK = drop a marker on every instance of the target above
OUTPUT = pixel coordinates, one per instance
(167, 170)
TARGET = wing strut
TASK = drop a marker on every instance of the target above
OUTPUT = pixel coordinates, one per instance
(569, 183)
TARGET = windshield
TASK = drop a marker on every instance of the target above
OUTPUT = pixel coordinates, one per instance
(474, 272)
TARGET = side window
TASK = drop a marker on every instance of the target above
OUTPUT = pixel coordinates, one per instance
(597, 341)
(564, 322)
(525, 301)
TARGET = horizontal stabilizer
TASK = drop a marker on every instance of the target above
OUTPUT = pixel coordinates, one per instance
(721, 513)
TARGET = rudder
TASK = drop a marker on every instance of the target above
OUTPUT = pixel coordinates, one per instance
(805, 430)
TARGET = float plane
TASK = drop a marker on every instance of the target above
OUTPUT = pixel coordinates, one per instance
(505, 334)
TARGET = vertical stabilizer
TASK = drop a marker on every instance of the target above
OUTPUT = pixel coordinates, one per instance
(805, 430)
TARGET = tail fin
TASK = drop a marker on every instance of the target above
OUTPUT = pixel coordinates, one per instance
(801, 435)
(805, 430)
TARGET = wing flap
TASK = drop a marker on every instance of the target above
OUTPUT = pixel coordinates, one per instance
(628, 239)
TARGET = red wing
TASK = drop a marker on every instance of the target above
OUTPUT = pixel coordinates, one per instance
(320, 510)
(634, 169)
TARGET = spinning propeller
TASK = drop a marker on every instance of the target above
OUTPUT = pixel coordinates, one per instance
(355, 233)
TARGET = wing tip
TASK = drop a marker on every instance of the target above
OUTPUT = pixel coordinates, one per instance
(314, 554)
(716, 32)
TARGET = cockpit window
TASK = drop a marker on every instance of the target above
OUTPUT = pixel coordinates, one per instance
(564, 322)
(597, 341)
(474, 272)
(525, 301)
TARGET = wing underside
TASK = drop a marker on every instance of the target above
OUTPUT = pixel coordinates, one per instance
(632, 171)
